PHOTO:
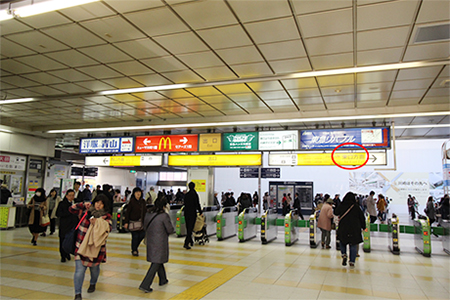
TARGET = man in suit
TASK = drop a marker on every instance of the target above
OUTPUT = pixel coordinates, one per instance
(191, 207)
(79, 197)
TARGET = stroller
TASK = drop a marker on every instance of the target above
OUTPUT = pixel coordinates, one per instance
(199, 232)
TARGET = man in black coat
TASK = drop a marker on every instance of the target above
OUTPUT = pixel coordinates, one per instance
(67, 221)
(191, 206)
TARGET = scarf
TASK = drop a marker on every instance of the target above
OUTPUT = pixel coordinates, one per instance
(96, 213)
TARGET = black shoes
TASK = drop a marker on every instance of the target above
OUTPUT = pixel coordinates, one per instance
(135, 253)
(43, 234)
(344, 260)
(63, 259)
(34, 243)
(186, 247)
(164, 283)
(91, 288)
(78, 297)
(32, 240)
(145, 290)
(68, 257)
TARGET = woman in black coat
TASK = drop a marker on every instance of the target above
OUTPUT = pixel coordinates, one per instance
(135, 212)
(67, 221)
(351, 221)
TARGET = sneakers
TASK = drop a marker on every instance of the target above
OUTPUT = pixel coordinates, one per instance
(78, 297)
(352, 265)
(91, 288)
(145, 290)
(164, 283)
(323, 245)
(344, 260)
(327, 247)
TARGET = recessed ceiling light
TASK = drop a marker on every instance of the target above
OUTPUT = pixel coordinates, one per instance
(337, 90)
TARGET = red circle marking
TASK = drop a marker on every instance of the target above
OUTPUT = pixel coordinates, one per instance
(345, 168)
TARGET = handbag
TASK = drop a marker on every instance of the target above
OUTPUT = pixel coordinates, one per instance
(70, 239)
(135, 225)
(45, 220)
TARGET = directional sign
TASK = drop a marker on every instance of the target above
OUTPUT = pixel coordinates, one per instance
(249, 173)
(278, 140)
(270, 172)
(324, 159)
(216, 160)
(167, 143)
(107, 145)
(149, 160)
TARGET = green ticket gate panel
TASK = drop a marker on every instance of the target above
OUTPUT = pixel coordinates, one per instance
(180, 223)
(394, 230)
(210, 213)
(290, 231)
(366, 236)
(314, 234)
(269, 229)
(446, 235)
(227, 222)
(247, 224)
(422, 238)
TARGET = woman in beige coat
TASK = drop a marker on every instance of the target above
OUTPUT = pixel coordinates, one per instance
(325, 219)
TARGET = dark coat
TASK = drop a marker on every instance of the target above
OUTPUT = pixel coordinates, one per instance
(158, 237)
(135, 210)
(349, 230)
(191, 205)
(67, 220)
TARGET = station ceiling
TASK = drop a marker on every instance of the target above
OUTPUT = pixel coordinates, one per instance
(227, 61)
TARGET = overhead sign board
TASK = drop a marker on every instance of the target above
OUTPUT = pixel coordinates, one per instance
(13, 162)
(240, 141)
(324, 159)
(374, 137)
(249, 172)
(210, 142)
(216, 160)
(167, 143)
(270, 173)
(117, 161)
(107, 145)
(278, 140)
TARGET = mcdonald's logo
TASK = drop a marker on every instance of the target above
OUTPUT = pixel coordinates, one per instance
(164, 141)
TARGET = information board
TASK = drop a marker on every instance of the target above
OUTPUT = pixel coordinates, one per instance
(116, 161)
(278, 140)
(210, 142)
(167, 143)
(240, 141)
(248, 172)
(216, 160)
(107, 145)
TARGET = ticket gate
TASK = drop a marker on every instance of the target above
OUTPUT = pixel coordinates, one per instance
(247, 224)
(290, 231)
(422, 238)
(446, 235)
(227, 222)
(173, 213)
(210, 213)
(394, 230)
(366, 235)
(180, 223)
(269, 229)
(314, 232)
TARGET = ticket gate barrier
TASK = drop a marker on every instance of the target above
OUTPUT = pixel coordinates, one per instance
(366, 235)
(422, 236)
(210, 213)
(446, 235)
(394, 230)
(227, 222)
(314, 233)
(180, 225)
(290, 231)
(247, 224)
(269, 229)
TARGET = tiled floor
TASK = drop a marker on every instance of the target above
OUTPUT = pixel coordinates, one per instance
(229, 270)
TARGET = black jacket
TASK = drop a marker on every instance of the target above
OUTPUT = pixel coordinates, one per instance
(349, 230)
(191, 204)
(136, 210)
(67, 220)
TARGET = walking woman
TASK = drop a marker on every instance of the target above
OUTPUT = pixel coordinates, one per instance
(351, 221)
(134, 219)
(324, 222)
(67, 221)
(158, 227)
(37, 208)
(95, 225)
(430, 210)
(53, 201)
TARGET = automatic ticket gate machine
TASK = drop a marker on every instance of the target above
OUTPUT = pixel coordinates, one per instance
(210, 213)
(366, 235)
(227, 224)
(422, 238)
(247, 224)
(314, 233)
(446, 235)
(180, 223)
(269, 229)
(394, 230)
(290, 231)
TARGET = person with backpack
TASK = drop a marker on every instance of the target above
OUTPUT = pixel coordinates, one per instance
(151, 196)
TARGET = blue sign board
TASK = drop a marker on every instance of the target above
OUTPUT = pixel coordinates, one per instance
(270, 172)
(249, 173)
(107, 145)
(328, 139)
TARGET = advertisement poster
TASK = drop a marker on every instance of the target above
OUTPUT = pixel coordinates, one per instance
(107, 145)
(167, 143)
(238, 141)
(278, 140)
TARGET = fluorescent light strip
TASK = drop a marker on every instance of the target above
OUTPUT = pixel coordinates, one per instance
(5, 15)
(5, 130)
(421, 126)
(16, 101)
(255, 122)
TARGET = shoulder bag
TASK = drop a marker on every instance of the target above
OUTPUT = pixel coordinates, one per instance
(70, 239)
(45, 220)
(135, 225)
(145, 238)
(340, 218)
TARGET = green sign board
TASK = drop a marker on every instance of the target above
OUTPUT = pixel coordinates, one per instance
(238, 141)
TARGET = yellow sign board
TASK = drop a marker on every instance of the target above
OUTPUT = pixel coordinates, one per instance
(324, 159)
(224, 160)
(210, 142)
(125, 161)
(200, 185)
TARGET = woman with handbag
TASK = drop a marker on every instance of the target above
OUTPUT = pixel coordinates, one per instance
(67, 221)
(158, 227)
(134, 217)
(95, 218)
(351, 221)
(38, 217)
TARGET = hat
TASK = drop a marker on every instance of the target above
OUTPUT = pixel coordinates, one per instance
(330, 201)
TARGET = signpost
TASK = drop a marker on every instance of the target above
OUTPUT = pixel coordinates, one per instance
(249, 172)
(222, 160)
(117, 161)
(167, 143)
(238, 141)
(324, 159)
(278, 140)
(270, 172)
(210, 142)
(107, 145)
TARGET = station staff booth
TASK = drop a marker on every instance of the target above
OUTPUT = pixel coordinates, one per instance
(303, 188)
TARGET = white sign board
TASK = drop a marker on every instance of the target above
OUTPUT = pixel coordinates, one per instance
(13, 162)
(107, 145)
(146, 160)
(282, 159)
(278, 140)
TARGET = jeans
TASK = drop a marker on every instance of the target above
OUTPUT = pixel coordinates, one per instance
(353, 250)
(136, 239)
(80, 270)
(148, 280)
(326, 237)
